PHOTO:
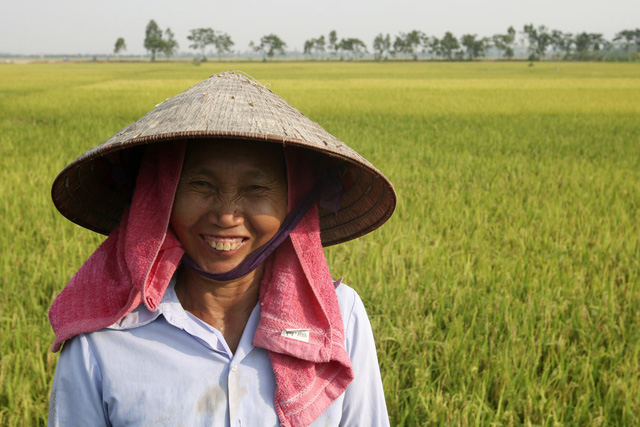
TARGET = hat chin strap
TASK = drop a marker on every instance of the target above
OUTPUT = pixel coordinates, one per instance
(326, 188)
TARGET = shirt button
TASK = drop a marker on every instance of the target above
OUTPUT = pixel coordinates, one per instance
(235, 368)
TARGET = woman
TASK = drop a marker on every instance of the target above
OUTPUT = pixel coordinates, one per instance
(210, 303)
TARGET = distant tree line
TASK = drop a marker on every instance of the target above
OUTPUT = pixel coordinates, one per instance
(541, 43)
(352, 47)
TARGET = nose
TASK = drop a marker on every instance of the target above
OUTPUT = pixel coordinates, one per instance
(226, 214)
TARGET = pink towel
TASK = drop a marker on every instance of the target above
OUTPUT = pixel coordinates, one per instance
(300, 325)
(135, 263)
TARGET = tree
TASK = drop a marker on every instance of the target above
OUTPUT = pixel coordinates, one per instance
(314, 45)
(432, 45)
(320, 45)
(588, 46)
(153, 41)
(583, 43)
(201, 38)
(413, 40)
(504, 42)
(627, 38)
(562, 42)
(333, 42)
(170, 43)
(474, 47)
(449, 45)
(120, 46)
(308, 47)
(269, 46)
(222, 42)
(358, 47)
(398, 45)
(408, 43)
(381, 46)
(355, 47)
(539, 40)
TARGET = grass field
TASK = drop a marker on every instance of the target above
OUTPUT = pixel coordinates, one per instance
(504, 291)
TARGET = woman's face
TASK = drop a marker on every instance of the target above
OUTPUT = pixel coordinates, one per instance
(231, 199)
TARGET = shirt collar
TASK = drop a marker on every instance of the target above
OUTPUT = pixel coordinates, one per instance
(173, 312)
(141, 315)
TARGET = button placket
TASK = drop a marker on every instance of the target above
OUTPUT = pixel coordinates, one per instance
(232, 384)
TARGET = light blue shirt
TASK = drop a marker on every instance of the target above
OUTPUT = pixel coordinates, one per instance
(169, 368)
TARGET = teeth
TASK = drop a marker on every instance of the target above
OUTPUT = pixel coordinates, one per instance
(225, 246)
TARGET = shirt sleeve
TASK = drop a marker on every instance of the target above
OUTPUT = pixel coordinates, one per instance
(76, 394)
(364, 403)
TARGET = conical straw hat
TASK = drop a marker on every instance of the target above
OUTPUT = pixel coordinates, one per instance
(92, 190)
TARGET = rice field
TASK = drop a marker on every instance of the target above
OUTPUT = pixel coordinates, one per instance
(505, 290)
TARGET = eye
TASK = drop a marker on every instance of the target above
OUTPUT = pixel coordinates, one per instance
(255, 187)
(200, 184)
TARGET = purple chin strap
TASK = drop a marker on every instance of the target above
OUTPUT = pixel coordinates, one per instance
(328, 188)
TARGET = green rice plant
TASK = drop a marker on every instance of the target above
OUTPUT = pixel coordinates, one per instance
(504, 290)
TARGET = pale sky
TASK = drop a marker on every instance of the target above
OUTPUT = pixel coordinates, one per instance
(92, 27)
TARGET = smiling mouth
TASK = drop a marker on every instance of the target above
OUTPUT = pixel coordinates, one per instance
(226, 243)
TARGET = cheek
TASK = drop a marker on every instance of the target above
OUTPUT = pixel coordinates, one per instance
(184, 213)
(267, 215)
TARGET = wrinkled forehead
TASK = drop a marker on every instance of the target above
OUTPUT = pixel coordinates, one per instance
(261, 157)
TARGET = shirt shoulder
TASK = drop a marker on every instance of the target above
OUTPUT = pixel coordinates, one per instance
(347, 296)
(364, 402)
(352, 310)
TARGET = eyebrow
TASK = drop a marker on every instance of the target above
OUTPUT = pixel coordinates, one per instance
(252, 173)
